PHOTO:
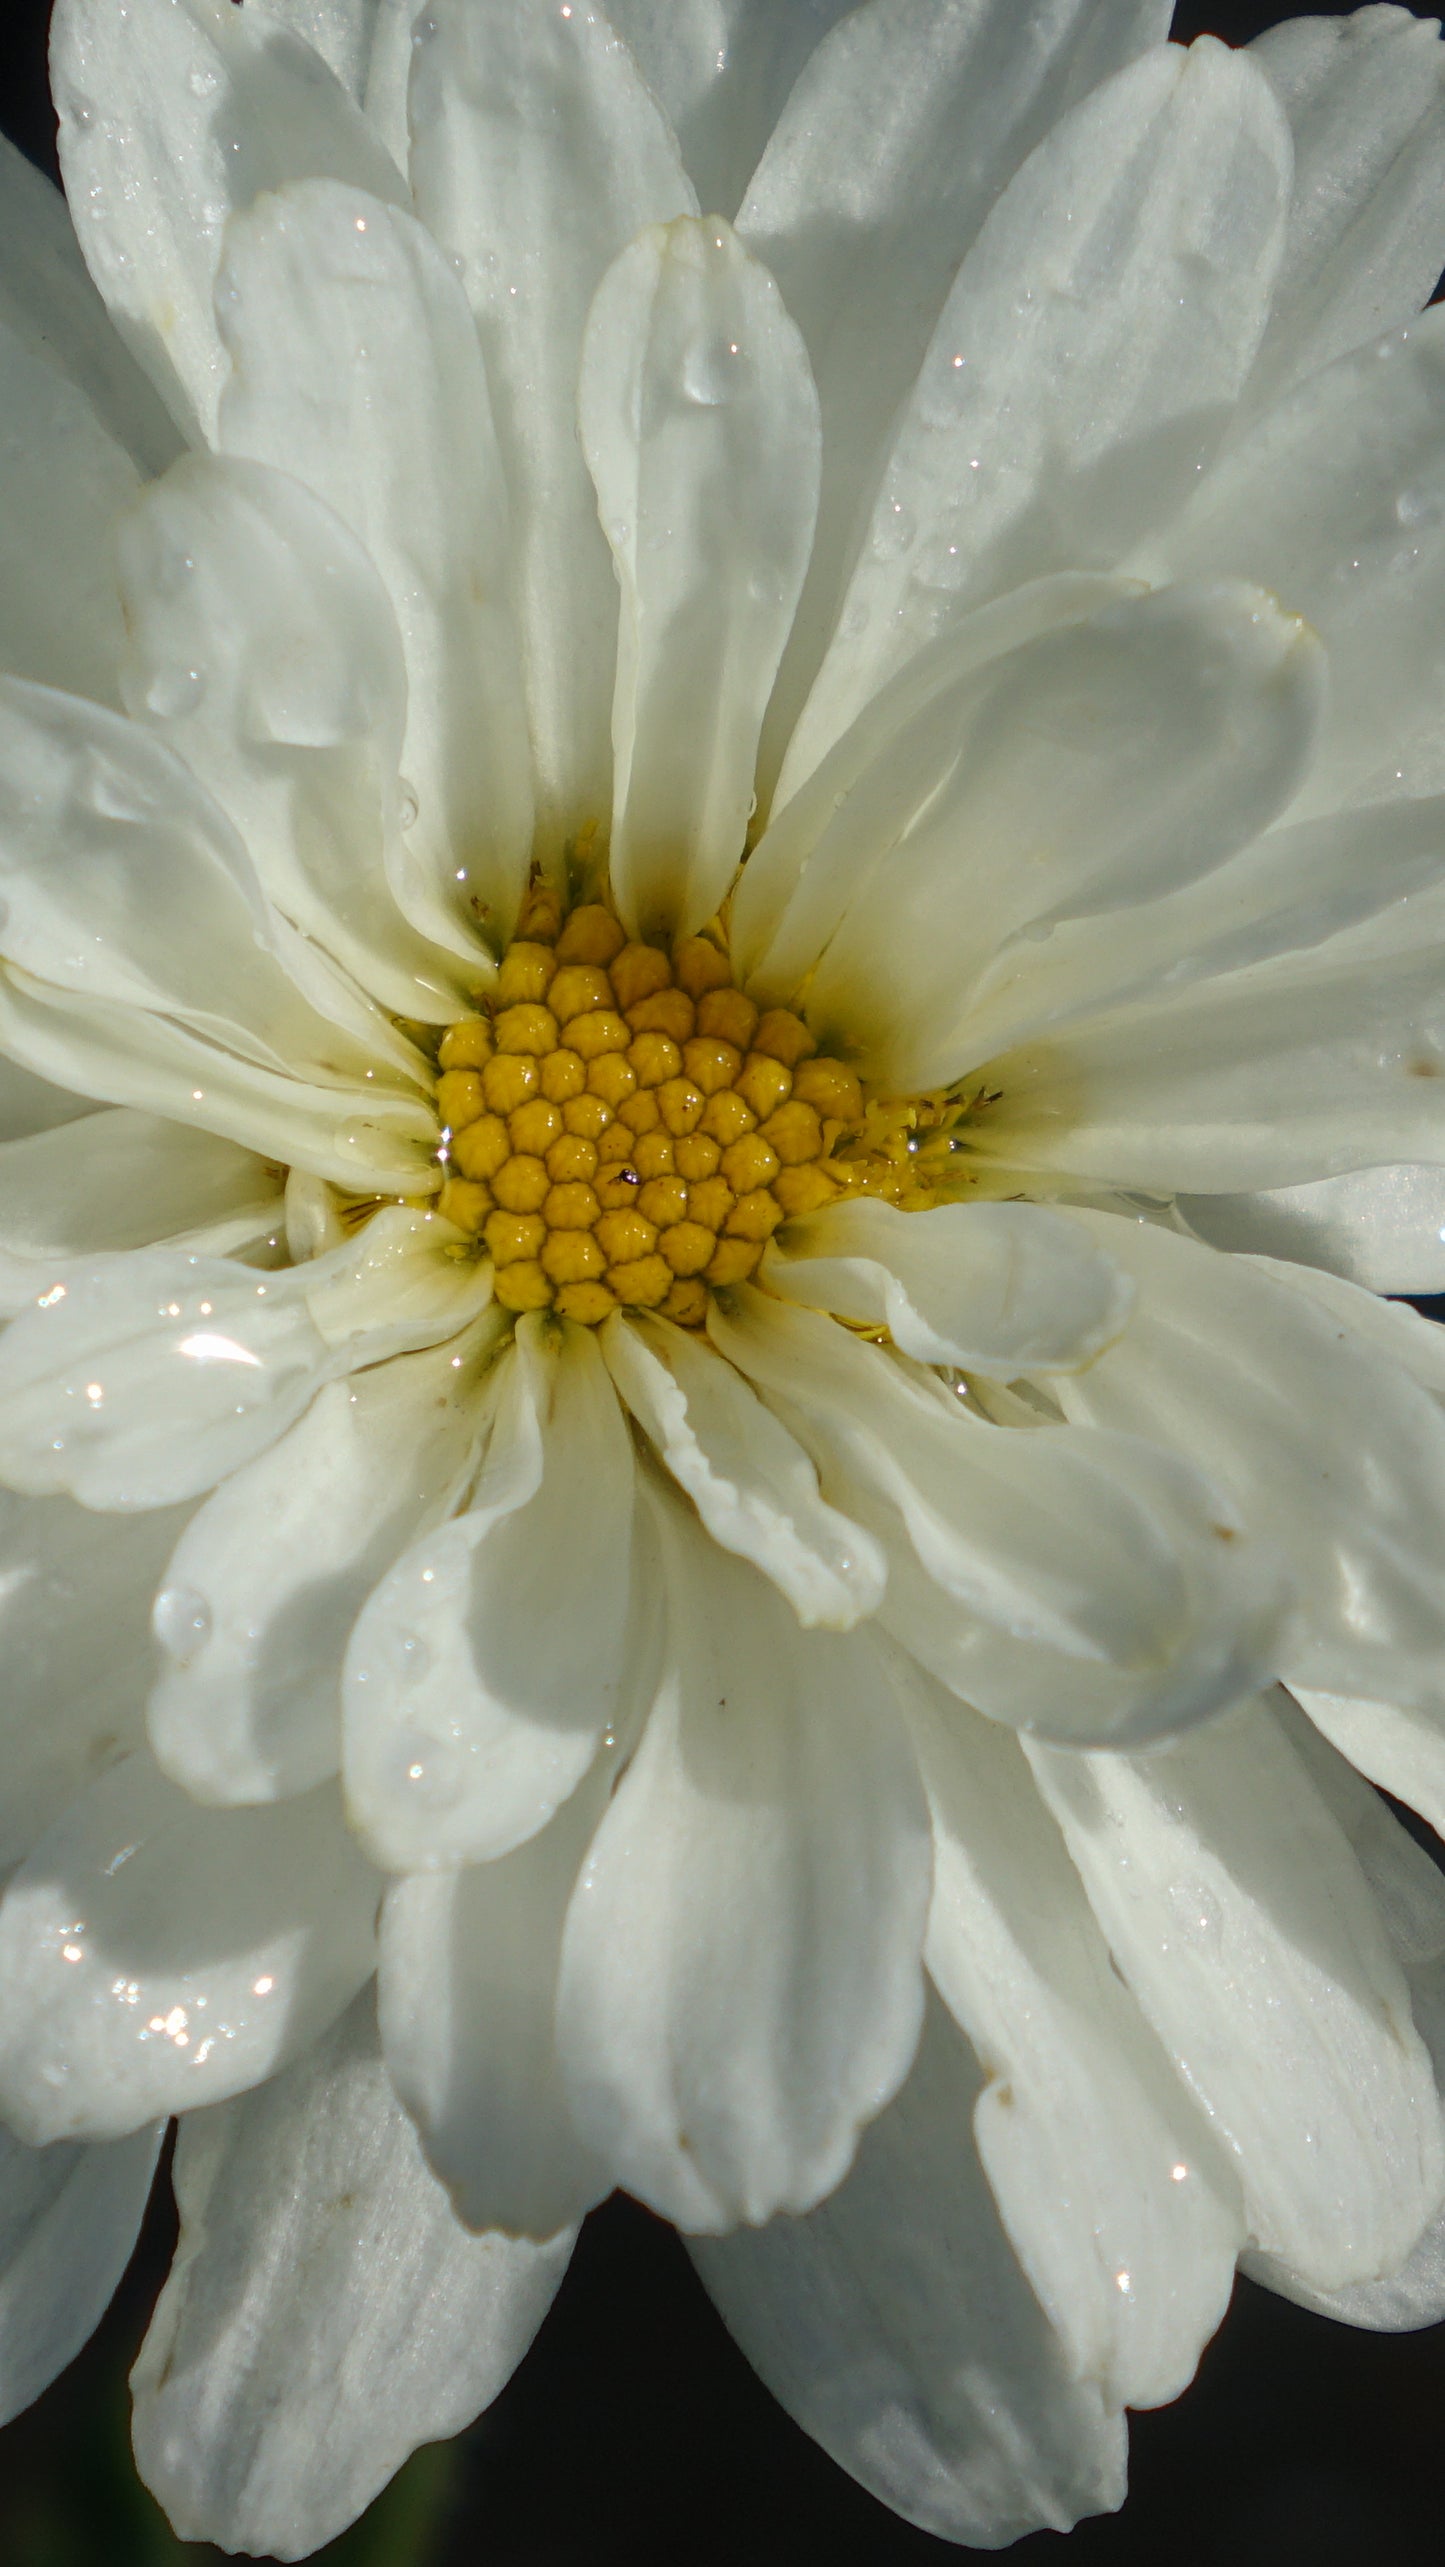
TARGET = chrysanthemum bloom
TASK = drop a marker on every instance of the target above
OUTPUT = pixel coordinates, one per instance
(722, 973)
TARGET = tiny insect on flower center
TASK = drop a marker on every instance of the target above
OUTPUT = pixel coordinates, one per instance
(623, 1127)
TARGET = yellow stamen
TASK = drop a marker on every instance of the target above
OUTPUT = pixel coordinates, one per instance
(623, 1129)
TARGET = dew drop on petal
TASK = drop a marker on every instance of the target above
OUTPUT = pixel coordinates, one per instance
(181, 1620)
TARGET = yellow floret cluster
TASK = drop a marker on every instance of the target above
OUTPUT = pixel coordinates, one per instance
(622, 1127)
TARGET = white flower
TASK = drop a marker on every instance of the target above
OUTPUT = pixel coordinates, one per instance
(715, 1508)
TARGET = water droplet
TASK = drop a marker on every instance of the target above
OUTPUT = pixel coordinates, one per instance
(175, 692)
(409, 1653)
(204, 84)
(1196, 1910)
(712, 372)
(894, 530)
(408, 806)
(181, 1621)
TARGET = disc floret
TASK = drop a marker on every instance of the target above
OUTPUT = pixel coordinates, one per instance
(624, 1128)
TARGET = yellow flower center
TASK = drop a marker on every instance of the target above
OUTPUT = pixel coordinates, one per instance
(624, 1128)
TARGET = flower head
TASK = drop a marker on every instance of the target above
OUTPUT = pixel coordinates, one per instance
(720, 967)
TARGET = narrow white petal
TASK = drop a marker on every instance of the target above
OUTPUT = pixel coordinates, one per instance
(998, 1289)
(1088, 1589)
(258, 1600)
(157, 1955)
(1336, 502)
(1275, 1076)
(47, 298)
(124, 882)
(1084, 367)
(1097, 767)
(364, 1141)
(69, 2218)
(173, 114)
(752, 1484)
(1240, 1918)
(1319, 1435)
(700, 427)
(261, 645)
(486, 1667)
(75, 1592)
(1365, 97)
(537, 155)
(325, 2312)
(1122, 2207)
(468, 1990)
(356, 366)
(862, 797)
(741, 1975)
(1364, 882)
(895, 2325)
(864, 217)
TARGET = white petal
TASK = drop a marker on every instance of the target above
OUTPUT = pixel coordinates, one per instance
(1400, 1748)
(537, 155)
(368, 1142)
(124, 882)
(29, 1105)
(752, 1484)
(1317, 1434)
(1240, 1918)
(1270, 1077)
(722, 69)
(1365, 97)
(1123, 2209)
(1410, 1894)
(1097, 767)
(1336, 502)
(124, 1180)
(700, 427)
(259, 1597)
(1087, 1589)
(864, 217)
(1381, 1227)
(138, 1379)
(741, 1981)
(1363, 882)
(173, 114)
(355, 366)
(69, 2218)
(896, 2326)
(75, 1593)
(48, 300)
(1084, 366)
(262, 646)
(157, 1955)
(63, 479)
(862, 796)
(355, 37)
(995, 1288)
(468, 1987)
(486, 1667)
(325, 2312)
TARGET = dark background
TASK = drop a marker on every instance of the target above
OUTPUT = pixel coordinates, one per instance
(634, 2435)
